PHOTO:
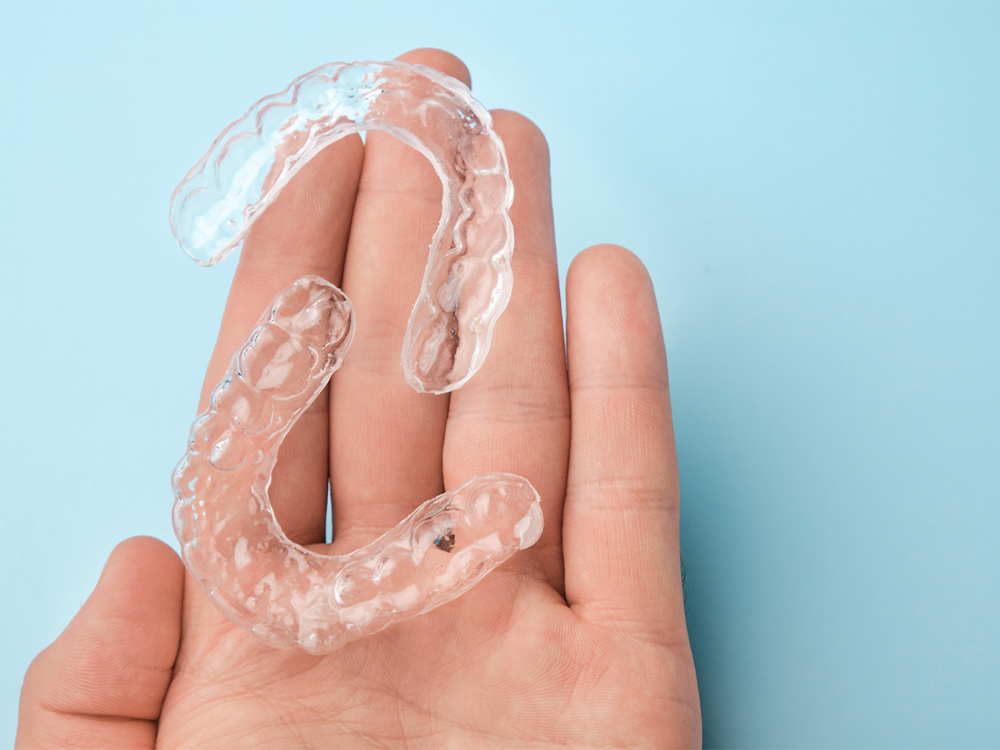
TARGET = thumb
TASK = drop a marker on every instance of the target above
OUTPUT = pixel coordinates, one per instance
(102, 682)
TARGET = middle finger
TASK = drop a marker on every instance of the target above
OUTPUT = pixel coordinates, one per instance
(386, 439)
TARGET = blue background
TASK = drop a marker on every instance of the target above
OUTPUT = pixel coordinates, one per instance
(816, 192)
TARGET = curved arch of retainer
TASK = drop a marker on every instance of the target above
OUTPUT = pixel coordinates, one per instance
(467, 280)
(230, 540)
(232, 544)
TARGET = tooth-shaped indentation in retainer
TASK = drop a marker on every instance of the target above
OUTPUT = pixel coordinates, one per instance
(235, 549)
(467, 280)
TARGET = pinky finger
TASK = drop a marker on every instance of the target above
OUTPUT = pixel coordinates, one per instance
(620, 525)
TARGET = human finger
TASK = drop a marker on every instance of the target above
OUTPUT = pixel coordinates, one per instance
(385, 437)
(620, 523)
(101, 684)
(303, 232)
(513, 416)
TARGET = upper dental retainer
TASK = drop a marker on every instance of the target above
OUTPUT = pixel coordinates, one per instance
(467, 280)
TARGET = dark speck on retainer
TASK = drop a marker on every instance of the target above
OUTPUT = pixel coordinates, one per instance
(445, 543)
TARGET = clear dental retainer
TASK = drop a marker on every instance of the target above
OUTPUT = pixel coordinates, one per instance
(230, 541)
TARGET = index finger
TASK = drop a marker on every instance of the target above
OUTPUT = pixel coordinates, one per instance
(303, 232)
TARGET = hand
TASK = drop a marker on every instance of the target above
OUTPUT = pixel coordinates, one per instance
(579, 640)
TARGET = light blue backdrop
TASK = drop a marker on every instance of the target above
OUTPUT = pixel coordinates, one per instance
(816, 191)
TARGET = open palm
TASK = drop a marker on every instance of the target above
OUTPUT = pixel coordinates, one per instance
(579, 640)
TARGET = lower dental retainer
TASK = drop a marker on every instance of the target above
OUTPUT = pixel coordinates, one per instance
(230, 540)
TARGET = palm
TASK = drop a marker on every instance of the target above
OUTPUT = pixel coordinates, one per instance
(509, 650)
(579, 640)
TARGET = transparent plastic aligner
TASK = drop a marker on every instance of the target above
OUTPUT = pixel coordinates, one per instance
(232, 544)
(467, 280)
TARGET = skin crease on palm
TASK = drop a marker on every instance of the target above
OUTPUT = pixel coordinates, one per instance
(578, 641)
